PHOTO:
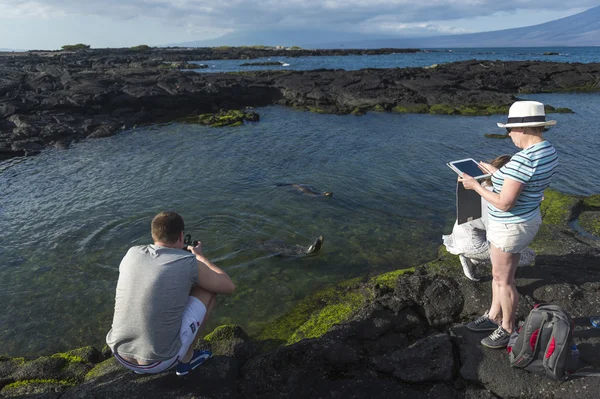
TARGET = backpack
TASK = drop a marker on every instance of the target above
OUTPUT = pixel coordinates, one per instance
(543, 344)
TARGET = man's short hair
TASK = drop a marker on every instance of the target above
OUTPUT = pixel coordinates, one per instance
(166, 227)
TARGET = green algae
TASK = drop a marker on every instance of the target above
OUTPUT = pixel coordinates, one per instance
(35, 387)
(378, 108)
(590, 222)
(411, 109)
(442, 109)
(468, 110)
(222, 118)
(592, 202)
(23, 383)
(316, 314)
(556, 208)
(101, 369)
(389, 279)
(317, 110)
(69, 358)
(227, 331)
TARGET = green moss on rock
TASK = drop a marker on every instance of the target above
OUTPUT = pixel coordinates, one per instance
(557, 208)
(442, 109)
(103, 368)
(36, 387)
(592, 203)
(316, 314)
(378, 108)
(317, 110)
(227, 331)
(389, 279)
(69, 358)
(411, 109)
(590, 222)
(223, 118)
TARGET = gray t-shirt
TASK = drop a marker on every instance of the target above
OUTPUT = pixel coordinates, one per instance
(152, 291)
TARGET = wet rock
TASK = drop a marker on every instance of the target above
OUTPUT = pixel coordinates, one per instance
(439, 297)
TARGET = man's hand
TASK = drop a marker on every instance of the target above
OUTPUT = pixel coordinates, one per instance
(197, 250)
(468, 182)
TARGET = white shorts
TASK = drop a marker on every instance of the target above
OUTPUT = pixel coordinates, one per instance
(193, 314)
(513, 237)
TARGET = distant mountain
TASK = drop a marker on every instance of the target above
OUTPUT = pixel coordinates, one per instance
(581, 29)
(288, 38)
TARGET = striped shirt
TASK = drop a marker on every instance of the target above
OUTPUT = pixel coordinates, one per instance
(534, 167)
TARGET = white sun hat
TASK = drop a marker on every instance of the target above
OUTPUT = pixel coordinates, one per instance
(526, 114)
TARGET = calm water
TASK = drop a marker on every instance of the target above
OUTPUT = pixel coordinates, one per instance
(67, 217)
(426, 58)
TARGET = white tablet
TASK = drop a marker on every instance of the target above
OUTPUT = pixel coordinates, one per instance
(470, 167)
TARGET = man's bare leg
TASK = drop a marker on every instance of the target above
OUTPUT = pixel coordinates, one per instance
(209, 300)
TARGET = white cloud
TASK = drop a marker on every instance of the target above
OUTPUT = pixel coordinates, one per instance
(382, 16)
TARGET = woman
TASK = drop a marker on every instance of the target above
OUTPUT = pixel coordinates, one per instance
(513, 213)
(468, 240)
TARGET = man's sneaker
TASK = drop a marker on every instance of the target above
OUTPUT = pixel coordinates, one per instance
(198, 358)
(595, 321)
(497, 340)
(468, 268)
(482, 323)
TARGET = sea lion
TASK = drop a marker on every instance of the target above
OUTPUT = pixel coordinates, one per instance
(281, 248)
(306, 189)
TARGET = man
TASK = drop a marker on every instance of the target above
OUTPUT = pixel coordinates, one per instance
(164, 297)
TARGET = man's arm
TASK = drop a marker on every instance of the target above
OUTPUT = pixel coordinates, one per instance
(210, 276)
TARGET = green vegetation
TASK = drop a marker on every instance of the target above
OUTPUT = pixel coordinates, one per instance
(69, 357)
(412, 109)
(592, 203)
(378, 108)
(556, 207)
(549, 109)
(389, 279)
(442, 109)
(223, 118)
(468, 110)
(315, 315)
(317, 110)
(102, 368)
(295, 48)
(75, 47)
(141, 47)
(227, 331)
(590, 222)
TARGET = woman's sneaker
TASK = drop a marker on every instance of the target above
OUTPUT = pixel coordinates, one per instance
(198, 358)
(468, 268)
(497, 340)
(482, 323)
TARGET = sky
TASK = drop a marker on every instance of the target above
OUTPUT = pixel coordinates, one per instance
(49, 24)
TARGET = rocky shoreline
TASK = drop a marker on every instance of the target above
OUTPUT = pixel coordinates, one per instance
(400, 334)
(56, 98)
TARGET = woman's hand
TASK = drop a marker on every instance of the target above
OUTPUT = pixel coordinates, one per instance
(488, 167)
(468, 182)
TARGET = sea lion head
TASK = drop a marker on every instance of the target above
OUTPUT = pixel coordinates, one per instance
(328, 194)
(315, 245)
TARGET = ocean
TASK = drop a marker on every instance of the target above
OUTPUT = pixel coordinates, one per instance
(68, 217)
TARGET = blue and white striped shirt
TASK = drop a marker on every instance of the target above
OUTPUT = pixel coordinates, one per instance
(534, 167)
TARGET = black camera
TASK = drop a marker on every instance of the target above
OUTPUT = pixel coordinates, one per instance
(187, 240)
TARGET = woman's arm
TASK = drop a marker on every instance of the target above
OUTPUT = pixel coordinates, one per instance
(505, 201)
